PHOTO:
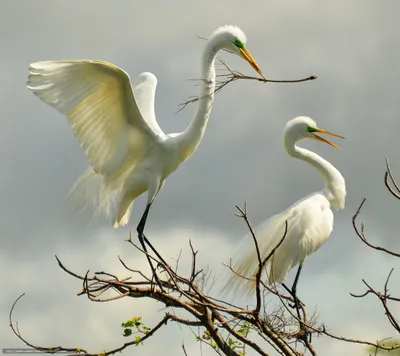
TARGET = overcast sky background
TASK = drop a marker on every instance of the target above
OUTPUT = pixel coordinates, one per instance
(354, 49)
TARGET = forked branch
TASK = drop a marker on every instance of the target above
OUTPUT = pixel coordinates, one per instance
(361, 234)
(232, 76)
(395, 190)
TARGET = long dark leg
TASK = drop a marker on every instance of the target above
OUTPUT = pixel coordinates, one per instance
(296, 279)
(297, 302)
(142, 237)
(142, 241)
(294, 289)
(291, 293)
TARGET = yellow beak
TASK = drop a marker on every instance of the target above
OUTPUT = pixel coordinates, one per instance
(249, 58)
(325, 140)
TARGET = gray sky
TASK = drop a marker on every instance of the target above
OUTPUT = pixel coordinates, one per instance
(353, 47)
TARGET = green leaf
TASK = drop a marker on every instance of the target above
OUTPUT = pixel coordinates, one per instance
(127, 332)
(128, 324)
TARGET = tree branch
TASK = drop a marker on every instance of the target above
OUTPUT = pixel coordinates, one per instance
(361, 235)
(232, 76)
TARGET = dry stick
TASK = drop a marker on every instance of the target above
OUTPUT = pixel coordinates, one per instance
(388, 174)
(261, 266)
(52, 349)
(245, 340)
(286, 349)
(194, 273)
(383, 298)
(361, 235)
(133, 270)
(184, 350)
(270, 343)
(243, 214)
(213, 331)
(362, 342)
(233, 76)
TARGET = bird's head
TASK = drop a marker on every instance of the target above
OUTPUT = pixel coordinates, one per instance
(233, 40)
(304, 127)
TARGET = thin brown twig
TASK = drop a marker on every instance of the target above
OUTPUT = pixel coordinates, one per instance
(51, 349)
(235, 75)
(383, 297)
(184, 349)
(133, 270)
(362, 342)
(258, 275)
(360, 233)
(388, 174)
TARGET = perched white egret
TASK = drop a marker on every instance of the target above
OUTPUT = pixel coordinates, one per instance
(310, 220)
(115, 123)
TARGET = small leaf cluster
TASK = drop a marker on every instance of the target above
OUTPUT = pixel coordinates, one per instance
(135, 326)
(237, 345)
(206, 337)
(234, 344)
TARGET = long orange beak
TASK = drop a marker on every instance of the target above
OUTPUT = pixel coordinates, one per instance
(249, 58)
(325, 140)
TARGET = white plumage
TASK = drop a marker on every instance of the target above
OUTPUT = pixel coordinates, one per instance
(310, 220)
(115, 123)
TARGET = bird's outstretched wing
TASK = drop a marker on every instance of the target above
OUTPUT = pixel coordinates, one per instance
(99, 102)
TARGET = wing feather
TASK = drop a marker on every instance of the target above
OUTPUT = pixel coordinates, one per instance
(99, 102)
(144, 90)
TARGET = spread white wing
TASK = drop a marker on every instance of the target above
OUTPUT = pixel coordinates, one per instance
(109, 117)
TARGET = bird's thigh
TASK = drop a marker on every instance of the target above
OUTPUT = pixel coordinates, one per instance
(136, 185)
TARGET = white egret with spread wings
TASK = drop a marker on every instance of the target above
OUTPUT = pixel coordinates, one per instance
(115, 123)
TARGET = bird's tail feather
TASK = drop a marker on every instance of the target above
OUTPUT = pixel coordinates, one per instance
(90, 189)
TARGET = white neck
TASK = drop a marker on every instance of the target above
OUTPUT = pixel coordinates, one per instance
(335, 189)
(191, 137)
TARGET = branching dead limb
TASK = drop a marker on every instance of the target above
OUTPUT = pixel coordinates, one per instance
(222, 322)
(360, 233)
(232, 75)
(384, 298)
(261, 262)
(388, 175)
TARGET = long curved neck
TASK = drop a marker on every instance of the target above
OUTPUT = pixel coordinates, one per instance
(191, 137)
(335, 189)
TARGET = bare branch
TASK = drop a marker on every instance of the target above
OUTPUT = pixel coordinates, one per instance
(223, 323)
(362, 342)
(388, 174)
(232, 76)
(361, 235)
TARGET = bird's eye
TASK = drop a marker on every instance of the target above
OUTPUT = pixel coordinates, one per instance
(311, 129)
(238, 43)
